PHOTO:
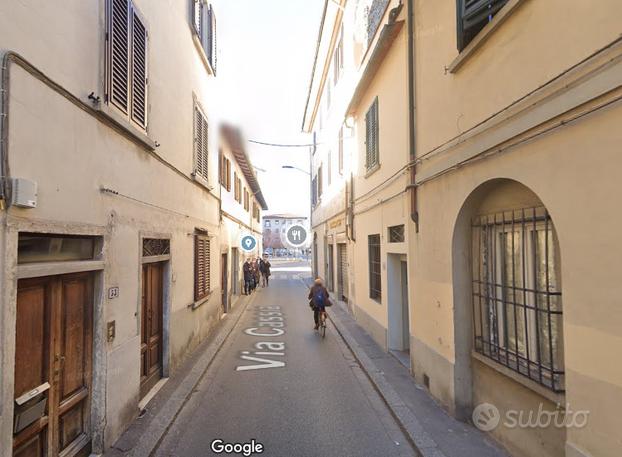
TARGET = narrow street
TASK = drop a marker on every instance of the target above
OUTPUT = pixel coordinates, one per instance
(314, 400)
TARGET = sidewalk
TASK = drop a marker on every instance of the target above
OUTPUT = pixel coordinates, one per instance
(146, 432)
(433, 432)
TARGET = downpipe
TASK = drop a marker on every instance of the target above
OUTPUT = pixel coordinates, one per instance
(412, 187)
(5, 171)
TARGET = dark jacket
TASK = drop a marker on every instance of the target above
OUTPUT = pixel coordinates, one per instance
(265, 267)
(313, 292)
(248, 271)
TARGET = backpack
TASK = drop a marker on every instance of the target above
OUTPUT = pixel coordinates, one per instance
(318, 297)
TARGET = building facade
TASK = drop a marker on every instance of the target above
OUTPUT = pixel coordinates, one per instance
(110, 213)
(359, 113)
(241, 204)
(493, 170)
(513, 289)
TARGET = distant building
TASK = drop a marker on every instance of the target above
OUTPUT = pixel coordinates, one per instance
(274, 229)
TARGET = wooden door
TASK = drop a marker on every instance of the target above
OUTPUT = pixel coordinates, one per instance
(151, 326)
(53, 366)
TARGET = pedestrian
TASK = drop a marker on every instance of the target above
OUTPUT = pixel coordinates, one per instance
(253, 277)
(248, 276)
(265, 271)
(318, 300)
(257, 271)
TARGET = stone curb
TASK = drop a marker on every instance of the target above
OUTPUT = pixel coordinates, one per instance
(420, 439)
(160, 424)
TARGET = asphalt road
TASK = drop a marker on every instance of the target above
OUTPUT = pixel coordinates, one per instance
(302, 396)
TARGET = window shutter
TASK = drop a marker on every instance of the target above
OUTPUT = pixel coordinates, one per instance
(202, 267)
(118, 54)
(201, 143)
(210, 48)
(341, 150)
(197, 16)
(139, 71)
(372, 136)
(228, 175)
(473, 15)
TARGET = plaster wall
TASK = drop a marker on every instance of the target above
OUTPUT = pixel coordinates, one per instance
(72, 155)
(582, 152)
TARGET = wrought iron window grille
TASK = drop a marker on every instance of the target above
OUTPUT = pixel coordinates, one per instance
(517, 299)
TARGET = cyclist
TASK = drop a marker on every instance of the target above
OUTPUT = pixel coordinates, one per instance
(318, 300)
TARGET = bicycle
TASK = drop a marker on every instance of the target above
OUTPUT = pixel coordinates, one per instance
(322, 323)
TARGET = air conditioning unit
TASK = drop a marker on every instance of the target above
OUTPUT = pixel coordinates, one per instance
(24, 193)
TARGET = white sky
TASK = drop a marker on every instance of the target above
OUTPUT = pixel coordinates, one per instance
(265, 54)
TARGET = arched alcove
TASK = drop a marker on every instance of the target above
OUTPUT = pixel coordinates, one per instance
(506, 267)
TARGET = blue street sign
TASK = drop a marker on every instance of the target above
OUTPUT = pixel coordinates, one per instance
(248, 243)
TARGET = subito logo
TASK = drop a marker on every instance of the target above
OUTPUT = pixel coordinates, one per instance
(486, 417)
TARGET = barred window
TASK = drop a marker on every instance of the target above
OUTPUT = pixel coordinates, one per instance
(375, 286)
(517, 300)
(396, 234)
(473, 15)
(156, 246)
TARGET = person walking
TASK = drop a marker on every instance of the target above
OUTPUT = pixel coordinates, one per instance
(248, 276)
(255, 274)
(265, 270)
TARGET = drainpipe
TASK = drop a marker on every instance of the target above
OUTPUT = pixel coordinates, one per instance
(412, 187)
(5, 171)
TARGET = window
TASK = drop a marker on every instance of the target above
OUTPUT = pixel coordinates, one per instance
(517, 301)
(237, 188)
(204, 25)
(246, 200)
(34, 247)
(396, 234)
(126, 61)
(329, 170)
(338, 58)
(224, 172)
(267, 223)
(473, 15)
(372, 136)
(375, 289)
(156, 246)
(319, 182)
(314, 197)
(340, 147)
(255, 210)
(201, 141)
(201, 266)
(276, 222)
